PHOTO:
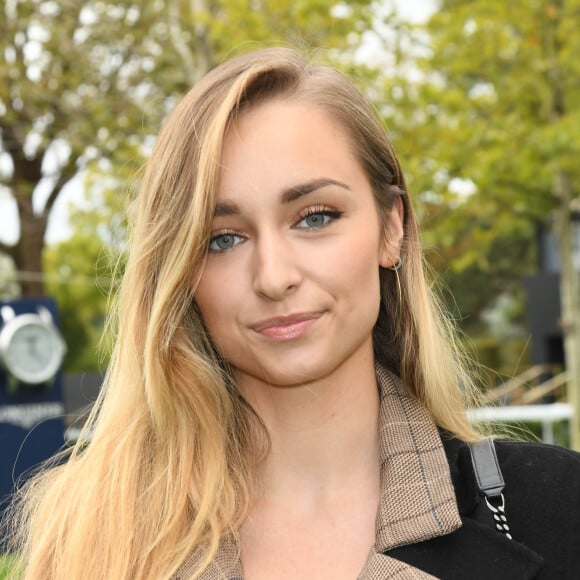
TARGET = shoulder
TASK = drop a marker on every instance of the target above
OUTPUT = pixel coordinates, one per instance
(540, 470)
(537, 464)
(543, 480)
(543, 500)
(535, 455)
(533, 472)
(542, 497)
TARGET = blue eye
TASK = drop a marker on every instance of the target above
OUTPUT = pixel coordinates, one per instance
(224, 242)
(318, 219)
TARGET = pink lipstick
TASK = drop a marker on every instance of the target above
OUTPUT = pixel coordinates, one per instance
(287, 327)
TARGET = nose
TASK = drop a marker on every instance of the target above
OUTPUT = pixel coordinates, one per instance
(277, 270)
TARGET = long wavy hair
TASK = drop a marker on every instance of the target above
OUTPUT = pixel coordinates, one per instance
(174, 448)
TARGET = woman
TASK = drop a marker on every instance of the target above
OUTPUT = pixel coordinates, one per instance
(285, 400)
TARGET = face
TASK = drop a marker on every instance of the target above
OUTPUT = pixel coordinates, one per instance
(290, 290)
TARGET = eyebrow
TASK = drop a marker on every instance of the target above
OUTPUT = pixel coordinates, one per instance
(287, 195)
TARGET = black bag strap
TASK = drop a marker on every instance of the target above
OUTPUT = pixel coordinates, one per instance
(490, 480)
(486, 467)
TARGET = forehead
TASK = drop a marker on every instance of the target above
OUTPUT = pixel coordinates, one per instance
(283, 112)
(284, 139)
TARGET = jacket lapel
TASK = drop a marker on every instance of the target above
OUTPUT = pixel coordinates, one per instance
(380, 566)
(417, 496)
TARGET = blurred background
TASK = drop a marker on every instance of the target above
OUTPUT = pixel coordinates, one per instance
(482, 102)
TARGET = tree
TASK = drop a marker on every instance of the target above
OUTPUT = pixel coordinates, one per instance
(79, 80)
(60, 87)
(500, 104)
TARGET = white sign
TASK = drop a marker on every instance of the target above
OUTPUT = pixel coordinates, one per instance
(26, 416)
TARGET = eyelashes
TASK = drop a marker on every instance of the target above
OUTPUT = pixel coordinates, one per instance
(317, 217)
(314, 218)
(224, 241)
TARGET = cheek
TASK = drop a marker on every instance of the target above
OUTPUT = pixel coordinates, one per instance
(354, 269)
(218, 316)
(213, 297)
(361, 253)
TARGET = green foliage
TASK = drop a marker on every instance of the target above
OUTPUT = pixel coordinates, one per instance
(509, 95)
(507, 109)
(6, 564)
(80, 289)
(81, 273)
(483, 126)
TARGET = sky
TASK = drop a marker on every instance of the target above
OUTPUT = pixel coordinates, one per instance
(58, 229)
(415, 10)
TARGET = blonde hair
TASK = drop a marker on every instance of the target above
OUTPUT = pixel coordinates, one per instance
(174, 447)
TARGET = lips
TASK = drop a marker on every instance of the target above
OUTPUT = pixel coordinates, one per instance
(287, 327)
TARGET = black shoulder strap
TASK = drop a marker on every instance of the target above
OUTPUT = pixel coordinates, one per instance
(486, 467)
(490, 480)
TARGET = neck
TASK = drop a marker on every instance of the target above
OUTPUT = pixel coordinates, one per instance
(324, 434)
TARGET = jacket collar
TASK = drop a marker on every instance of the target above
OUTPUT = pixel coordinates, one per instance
(417, 495)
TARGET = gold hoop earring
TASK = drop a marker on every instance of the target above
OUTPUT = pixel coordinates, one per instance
(397, 265)
(395, 268)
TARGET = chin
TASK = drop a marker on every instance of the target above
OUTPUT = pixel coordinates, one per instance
(286, 374)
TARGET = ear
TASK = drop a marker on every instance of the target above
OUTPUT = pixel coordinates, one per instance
(392, 235)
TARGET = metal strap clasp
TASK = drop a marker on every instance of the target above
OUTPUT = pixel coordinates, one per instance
(490, 481)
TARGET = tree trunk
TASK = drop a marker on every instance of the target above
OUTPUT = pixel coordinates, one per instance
(564, 231)
(570, 299)
(28, 250)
